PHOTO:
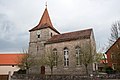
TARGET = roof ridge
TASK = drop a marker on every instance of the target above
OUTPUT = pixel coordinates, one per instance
(76, 31)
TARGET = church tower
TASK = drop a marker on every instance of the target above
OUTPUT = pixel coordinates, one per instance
(40, 34)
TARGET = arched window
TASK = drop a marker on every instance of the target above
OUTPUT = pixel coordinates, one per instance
(66, 57)
(78, 56)
(55, 56)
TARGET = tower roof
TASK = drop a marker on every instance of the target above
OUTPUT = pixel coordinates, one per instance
(45, 22)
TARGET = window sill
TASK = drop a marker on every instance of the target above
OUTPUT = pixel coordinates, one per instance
(55, 67)
(78, 66)
(65, 67)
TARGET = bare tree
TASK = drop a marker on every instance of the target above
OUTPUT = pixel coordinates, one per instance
(51, 59)
(27, 61)
(98, 57)
(115, 33)
(89, 57)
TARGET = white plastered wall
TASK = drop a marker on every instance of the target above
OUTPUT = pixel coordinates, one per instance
(7, 69)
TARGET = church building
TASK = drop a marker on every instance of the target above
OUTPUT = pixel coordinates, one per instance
(67, 46)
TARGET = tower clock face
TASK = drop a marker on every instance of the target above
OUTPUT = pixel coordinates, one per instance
(38, 32)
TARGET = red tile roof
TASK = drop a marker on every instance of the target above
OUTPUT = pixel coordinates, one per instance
(45, 22)
(10, 59)
(83, 34)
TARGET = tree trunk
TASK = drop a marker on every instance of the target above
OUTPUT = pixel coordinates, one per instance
(51, 70)
(86, 69)
(27, 70)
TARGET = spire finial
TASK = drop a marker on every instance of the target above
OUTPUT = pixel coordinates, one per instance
(46, 4)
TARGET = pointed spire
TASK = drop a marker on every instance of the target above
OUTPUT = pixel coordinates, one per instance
(46, 4)
(45, 22)
(45, 19)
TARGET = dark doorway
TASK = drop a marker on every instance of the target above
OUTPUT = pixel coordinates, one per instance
(42, 69)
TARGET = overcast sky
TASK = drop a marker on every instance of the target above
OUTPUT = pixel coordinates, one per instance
(19, 16)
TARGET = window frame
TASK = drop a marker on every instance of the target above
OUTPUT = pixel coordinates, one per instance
(78, 56)
(114, 66)
(66, 57)
(55, 57)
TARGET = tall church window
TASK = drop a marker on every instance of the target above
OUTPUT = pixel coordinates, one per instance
(66, 57)
(78, 56)
(55, 56)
